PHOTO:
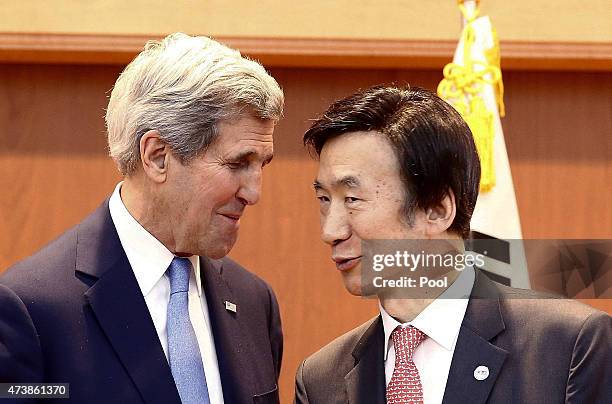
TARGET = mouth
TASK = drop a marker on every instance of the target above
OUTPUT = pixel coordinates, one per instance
(234, 218)
(346, 263)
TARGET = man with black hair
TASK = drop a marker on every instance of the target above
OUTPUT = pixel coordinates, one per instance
(400, 164)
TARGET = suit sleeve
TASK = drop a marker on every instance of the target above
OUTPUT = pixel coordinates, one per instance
(591, 366)
(276, 333)
(20, 353)
(300, 388)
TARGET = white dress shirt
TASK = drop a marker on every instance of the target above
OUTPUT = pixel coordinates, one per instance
(440, 321)
(150, 259)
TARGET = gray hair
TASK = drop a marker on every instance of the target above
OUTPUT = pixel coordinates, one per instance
(183, 87)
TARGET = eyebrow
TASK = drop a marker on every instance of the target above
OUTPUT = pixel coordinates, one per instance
(246, 155)
(348, 181)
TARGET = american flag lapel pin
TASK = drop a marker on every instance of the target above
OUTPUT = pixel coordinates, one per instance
(229, 306)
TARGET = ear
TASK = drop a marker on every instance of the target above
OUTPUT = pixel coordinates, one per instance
(154, 155)
(440, 217)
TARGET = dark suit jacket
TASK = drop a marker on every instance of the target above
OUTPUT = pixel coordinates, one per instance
(537, 351)
(73, 312)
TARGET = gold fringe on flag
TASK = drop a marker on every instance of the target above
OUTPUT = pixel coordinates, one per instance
(461, 87)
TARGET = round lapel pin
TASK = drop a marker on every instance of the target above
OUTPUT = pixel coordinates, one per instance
(481, 373)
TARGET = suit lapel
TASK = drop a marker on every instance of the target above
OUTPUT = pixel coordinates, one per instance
(482, 322)
(365, 382)
(238, 370)
(120, 309)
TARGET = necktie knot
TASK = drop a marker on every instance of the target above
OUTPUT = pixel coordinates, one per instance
(405, 341)
(178, 273)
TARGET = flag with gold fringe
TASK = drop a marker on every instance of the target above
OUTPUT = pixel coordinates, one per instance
(473, 85)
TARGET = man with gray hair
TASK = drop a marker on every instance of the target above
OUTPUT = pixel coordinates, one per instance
(138, 303)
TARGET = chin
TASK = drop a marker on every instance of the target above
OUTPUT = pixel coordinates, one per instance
(353, 284)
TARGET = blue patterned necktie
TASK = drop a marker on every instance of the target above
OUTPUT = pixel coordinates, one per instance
(183, 350)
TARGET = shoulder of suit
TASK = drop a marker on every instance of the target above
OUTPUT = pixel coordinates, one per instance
(534, 308)
(47, 266)
(53, 264)
(543, 310)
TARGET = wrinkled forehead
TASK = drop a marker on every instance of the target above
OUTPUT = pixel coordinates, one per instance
(247, 133)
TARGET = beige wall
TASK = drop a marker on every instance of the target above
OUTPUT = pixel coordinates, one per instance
(523, 20)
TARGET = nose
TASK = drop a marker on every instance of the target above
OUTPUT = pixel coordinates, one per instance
(334, 226)
(250, 187)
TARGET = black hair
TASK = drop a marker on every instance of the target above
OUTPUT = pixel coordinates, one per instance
(433, 144)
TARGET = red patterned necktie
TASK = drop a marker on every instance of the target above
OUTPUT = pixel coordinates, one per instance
(405, 385)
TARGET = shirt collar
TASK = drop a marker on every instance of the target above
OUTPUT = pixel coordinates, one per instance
(148, 257)
(441, 319)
